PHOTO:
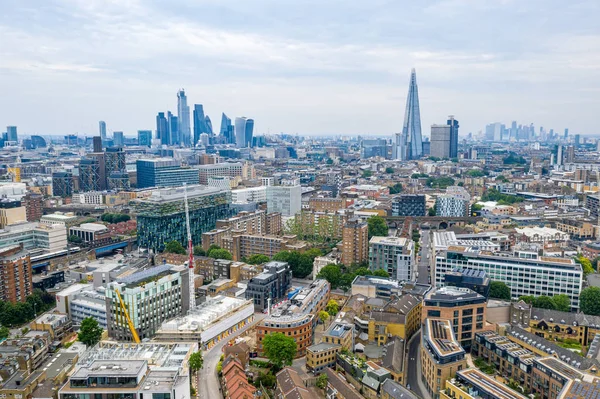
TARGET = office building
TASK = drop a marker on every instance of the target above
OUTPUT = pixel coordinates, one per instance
(321, 356)
(145, 138)
(355, 242)
(453, 123)
(297, 317)
(541, 276)
(285, 199)
(90, 175)
(174, 130)
(444, 139)
(11, 212)
(118, 140)
(373, 148)
(102, 129)
(183, 115)
(244, 129)
(475, 280)
(441, 355)
(15, 269)
(86, 303)
(465, 308)
(97, 144)
(164, 172)
(231, 169)
(90, 232)
(151, 296)
(12, 135)
(162, 129)
(201, 123)
(272, 284)
(409, 205)
(409, 145)
(148, 370)
(49, 237)
(455, 203)
(227, 130)
(395, 255)
(161, 217)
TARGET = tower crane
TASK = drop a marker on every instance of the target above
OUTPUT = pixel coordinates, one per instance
(190, 250)
(134, 333)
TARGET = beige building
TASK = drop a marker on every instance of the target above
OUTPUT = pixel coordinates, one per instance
(10, 213)
(355, 242)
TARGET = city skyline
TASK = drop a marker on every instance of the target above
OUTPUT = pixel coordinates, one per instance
(353, 83)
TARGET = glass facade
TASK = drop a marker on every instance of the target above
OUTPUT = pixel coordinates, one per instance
(412, 121)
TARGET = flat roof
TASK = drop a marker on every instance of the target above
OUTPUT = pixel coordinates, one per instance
(497, 390)
(441, 337)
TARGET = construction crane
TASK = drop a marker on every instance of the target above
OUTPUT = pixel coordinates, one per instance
(190, 250)
(136, 337)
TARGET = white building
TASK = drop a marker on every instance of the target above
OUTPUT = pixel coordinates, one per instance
(395, 255)
(222, 182)
(543, 235)
(455, 203)
(14, 191)
(59, 218)
(322, 261)
(89, 198)
(88, 232)
(251, 194)
(88, 303)
(50, 237)
(286, 199)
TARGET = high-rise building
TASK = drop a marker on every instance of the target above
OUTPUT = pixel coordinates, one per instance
(15, 269)
(440, 141)
(12, 133)
(355, 242)
(118, 140)
(62, 184)
(273, 283)
(566, 133)
(286, 199)
(102, 129)
(183, 114)
(453, 123)
(413, 148)
(164, 172)
(89, 175)
(174, 129)
(209, 127)
(373, 148)
(576, 140)
(199, 122)
(455, 203)
(161, 217)
(244, 129)
(34, 206)
(227, 131)
(230, 169)
(115, 170)
(162, 129)
(97, 144)
(395, 255)
(409, 205)
(145, 138)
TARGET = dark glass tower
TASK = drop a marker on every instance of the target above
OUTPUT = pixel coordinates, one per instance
(162, 129)
(453, 123)
(412, 122)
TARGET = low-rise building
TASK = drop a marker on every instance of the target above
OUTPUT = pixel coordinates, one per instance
(57, 324)
(473, 384)
(290, 385)
(395, 255)
(321, 356)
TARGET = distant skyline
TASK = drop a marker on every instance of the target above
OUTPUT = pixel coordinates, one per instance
(306, 67)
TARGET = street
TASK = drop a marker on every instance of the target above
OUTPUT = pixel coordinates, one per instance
(424, 262)
(413, 373)
(208, 382)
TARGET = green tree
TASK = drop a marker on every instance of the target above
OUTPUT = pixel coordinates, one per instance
(513, 159)
(175, 247)
(419, 176)
(332, 273)
(440, 182)
(90, 332)
(380, 273)
(543, 302)
(589, 301)
(561, 302)
(332, 307)
(431, 211)
(322, 381)
(435, 159)
(4, 332)
(389, 170)
(396, 188)
(257, 259)
(585, 263)
(475, 173)
(268, 380)
(377, 226)
(75, 239)
(476, 207)
(279, 349)
(502, 179)
(323, 316)
(220, 254)
(301, 263)
(196, 362)
(366, 174)
(527, 299)
(499, 290)
(199, 251)
(362, 271)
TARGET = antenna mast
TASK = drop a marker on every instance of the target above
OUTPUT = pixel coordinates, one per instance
(190, 250)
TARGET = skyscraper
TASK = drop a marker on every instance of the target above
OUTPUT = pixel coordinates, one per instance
(145, 137)
(162, 129)
(208, 123)
(226, 130)
(118, 139)
(183, 115)
(97, 144)
(12, 133)
(453, 123)
(440, 141)
(174, 129)
(102, 127)
(243, 132)
(412, 122)
(199, 122)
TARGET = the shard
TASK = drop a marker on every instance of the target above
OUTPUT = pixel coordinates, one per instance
(409, 144)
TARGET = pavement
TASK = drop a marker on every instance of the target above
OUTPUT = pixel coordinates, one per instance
(413, 373)
(207, 380)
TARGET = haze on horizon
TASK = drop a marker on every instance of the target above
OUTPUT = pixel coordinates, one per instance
(306, 67)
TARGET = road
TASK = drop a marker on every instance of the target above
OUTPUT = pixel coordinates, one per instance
(413, 373)
(208, 382)
(424, 262)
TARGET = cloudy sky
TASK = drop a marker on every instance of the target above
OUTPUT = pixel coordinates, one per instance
(299, 66)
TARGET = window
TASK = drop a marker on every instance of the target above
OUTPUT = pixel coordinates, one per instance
(433, 313)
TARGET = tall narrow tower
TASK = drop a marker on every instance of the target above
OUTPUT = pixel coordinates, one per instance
(183, 115)
(412, 122)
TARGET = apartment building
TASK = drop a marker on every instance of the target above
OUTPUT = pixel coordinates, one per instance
(323, 224)
(250, 194)
(15, 274)
(248, 222)
(474, 384)
(577, 229)
(409, 205)
(321, 356)
(319, 204)
(273, 283)
(542, 276)
(355, 242)
(285, 199)
(220, 169)
(395, 255)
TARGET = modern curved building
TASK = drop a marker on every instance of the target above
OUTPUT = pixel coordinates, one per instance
(244, 128)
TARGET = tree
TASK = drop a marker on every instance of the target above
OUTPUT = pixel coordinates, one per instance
(90, 332)
(199, 251)
(499, 290)
(527, 299)
(257, 259)
(220, 254)
(323, 316)
(543, 302)
(585, 263)
(4, 332)
(196, 362)
(175, 247)
(377, 226)
(366, 174)
(389, 170)
(362, 271)
(279, 349)
(589, 301)
(268, 380)
(475, 173)
(301, 263)
(75, 239)
(561, 302)
(332, 273)
(322, 381)
(396, 188)
(502, 179)
(431, 211)
(380, 273)
(332, 307)
(476, 207)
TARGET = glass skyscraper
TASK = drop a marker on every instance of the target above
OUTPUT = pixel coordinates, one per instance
(174, 129)
(409, 145)
(162, 129)
(199, 122)
(226, 131)
(145, 137)
(183, 115)
(244, 129)
(102, 129)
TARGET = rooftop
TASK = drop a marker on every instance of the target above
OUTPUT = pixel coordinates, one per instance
(441, 337)
(479, 380)
(451, 294)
